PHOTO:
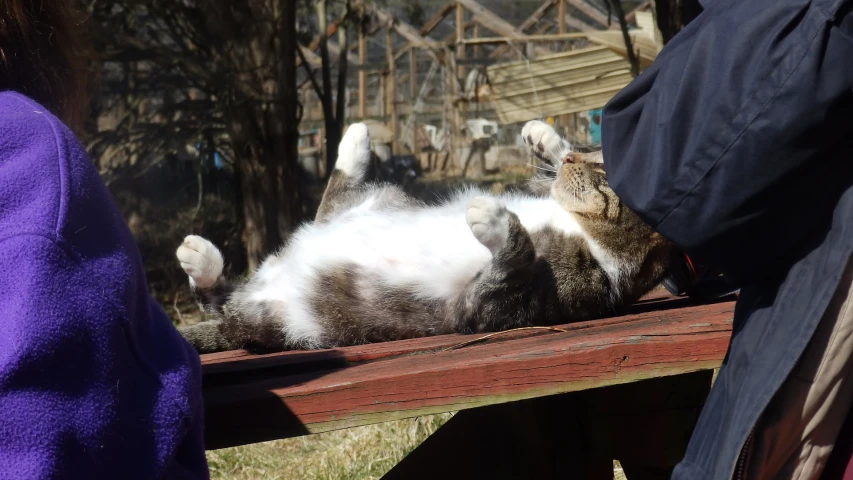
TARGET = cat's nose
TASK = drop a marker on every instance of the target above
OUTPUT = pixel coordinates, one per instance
(569, 158)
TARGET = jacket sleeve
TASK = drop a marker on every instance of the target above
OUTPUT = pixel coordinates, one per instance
(75, 401)
(734, 144)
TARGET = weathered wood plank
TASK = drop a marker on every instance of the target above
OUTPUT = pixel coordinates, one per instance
(576, 23)
(362, 74)
(533, 19)
(436, 19)
(242, 360)
(631, 16)
(308, 392)
(495, 23)
(537, 15)
(546, 37)
(405, 30)
(460, 36)
(591, 12)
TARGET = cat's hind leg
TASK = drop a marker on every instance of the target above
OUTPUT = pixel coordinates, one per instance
(489, 221)
(351, 167)
(505, 293)
(203, 263)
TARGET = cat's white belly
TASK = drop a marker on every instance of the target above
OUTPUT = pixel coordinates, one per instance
(429, 251)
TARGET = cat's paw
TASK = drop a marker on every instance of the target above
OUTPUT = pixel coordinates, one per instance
(489, 222)
(354, 151)
(545, 142)
(201, 260)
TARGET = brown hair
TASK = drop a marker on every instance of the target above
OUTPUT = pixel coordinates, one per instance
(45, 55)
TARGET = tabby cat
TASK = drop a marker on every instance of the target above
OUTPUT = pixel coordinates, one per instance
(378, 265)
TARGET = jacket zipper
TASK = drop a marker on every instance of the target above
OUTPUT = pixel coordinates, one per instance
(740, 466)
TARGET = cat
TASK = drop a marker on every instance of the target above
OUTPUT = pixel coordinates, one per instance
(379, 265)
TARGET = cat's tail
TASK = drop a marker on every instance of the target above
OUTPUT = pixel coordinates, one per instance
(207, 337)
(203, 263)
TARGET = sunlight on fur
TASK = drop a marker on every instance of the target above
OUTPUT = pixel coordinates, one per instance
(377, 264)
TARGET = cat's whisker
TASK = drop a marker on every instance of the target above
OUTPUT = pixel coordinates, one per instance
(541, 162)
(544, 177)
(554, 162)
(552, 170)
(558, 151)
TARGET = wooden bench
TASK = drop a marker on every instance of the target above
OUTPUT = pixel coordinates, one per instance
(639, 381)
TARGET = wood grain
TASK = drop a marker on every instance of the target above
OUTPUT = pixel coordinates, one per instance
(256, 398)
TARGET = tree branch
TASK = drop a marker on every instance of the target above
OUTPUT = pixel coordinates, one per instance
(343, 39)
(626, 36)
(326, 96)
(310, 73)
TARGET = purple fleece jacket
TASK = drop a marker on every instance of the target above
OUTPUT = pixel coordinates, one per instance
(95, 382)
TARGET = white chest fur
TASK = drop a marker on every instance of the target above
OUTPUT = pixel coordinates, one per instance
(430, 251)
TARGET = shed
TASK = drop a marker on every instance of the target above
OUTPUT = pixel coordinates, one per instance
(569, 82)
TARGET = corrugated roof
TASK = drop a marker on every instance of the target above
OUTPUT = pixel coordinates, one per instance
(569, 82)
(644, 45)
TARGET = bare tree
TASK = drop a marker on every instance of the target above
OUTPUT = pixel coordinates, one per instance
(333, 104)
(215, 73)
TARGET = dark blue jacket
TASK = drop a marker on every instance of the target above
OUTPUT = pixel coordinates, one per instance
(737, 144)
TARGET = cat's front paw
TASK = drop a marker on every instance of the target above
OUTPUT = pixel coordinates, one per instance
(354, 151)
(544, 142)
(489, 222)
(201, 260)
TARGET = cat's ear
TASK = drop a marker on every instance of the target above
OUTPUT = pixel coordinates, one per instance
(593, 158)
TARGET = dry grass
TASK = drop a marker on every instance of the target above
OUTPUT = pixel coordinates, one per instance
(618, 474)
(361, 453)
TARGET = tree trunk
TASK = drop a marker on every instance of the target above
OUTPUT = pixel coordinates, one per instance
(292, 211)
(270, 197)
(626, 37)
(673, 15)
(341, 100)
(265, 140)
(259, 200)
(334, 133)
(332, 124)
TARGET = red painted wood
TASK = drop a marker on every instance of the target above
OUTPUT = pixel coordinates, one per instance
(256, 398)
(241, 360)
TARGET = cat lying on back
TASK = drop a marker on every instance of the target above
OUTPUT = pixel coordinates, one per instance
(379, 265)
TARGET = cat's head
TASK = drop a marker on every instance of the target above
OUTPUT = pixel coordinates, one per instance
(581, 187)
